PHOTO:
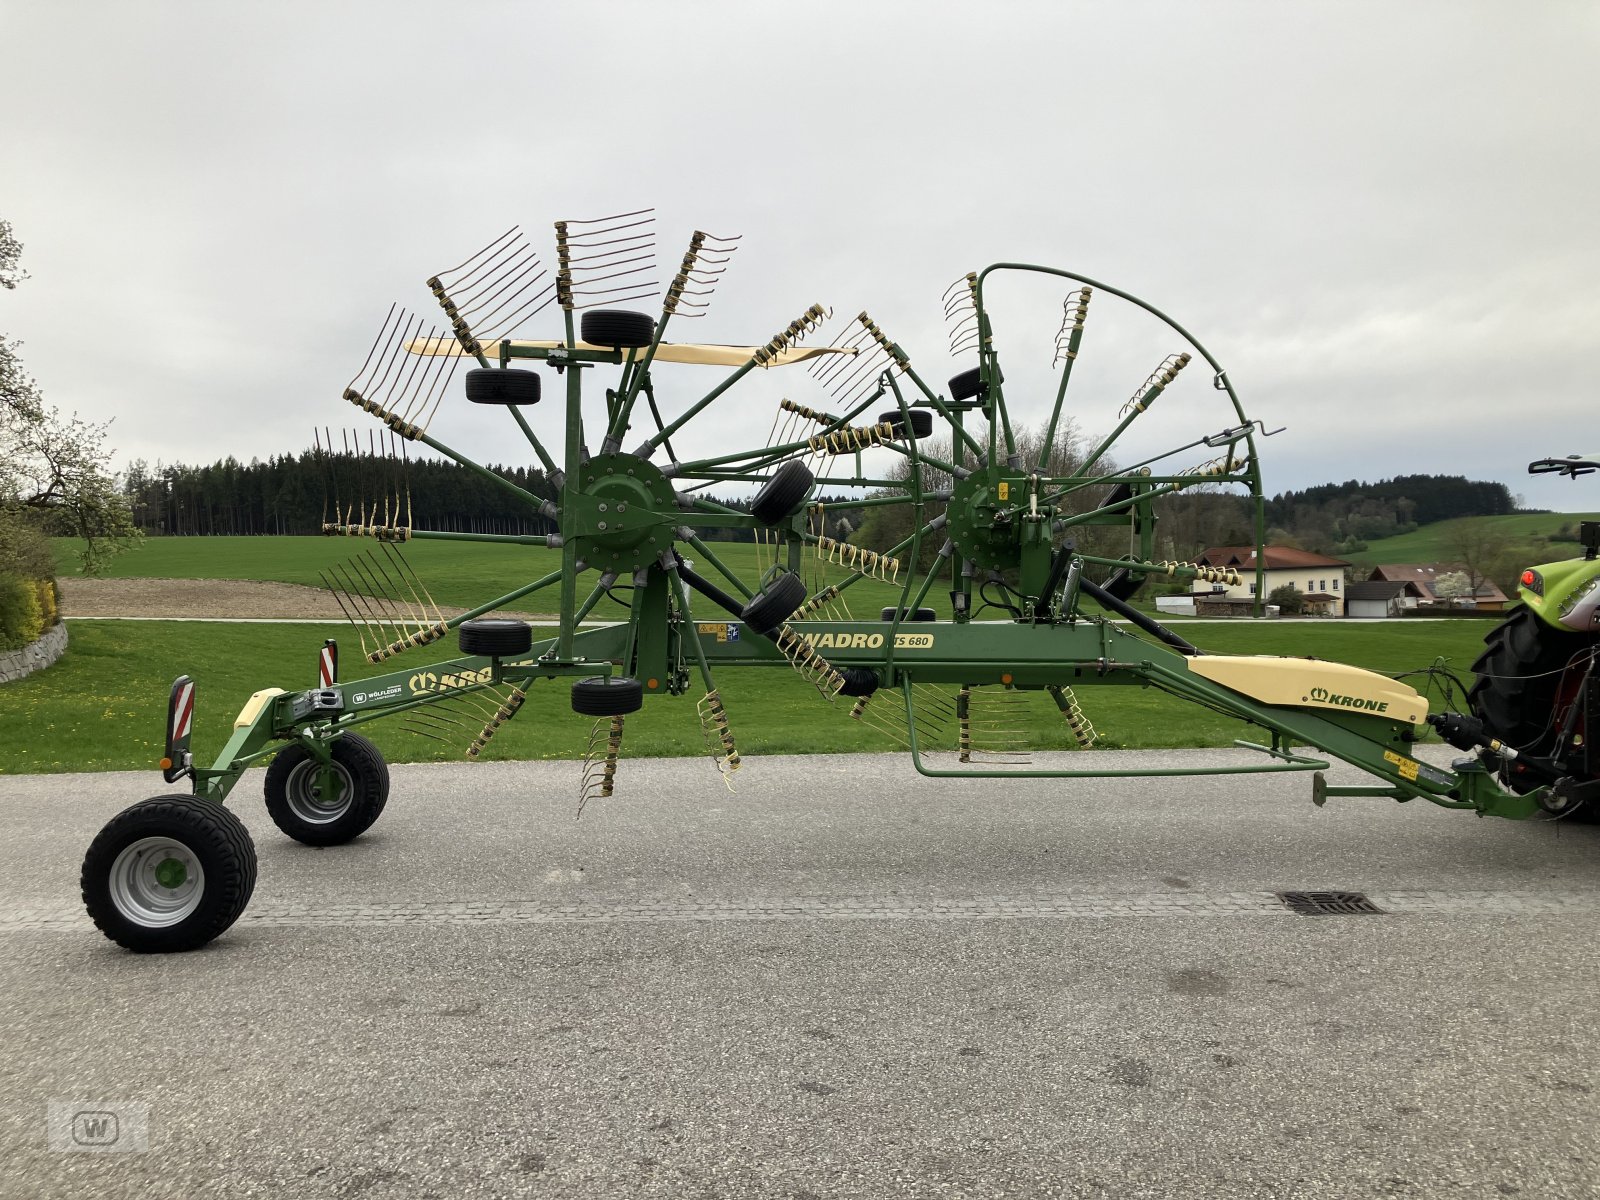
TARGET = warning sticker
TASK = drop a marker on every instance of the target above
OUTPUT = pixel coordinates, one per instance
(721, 631)
(1407, 767)
(1003, 490)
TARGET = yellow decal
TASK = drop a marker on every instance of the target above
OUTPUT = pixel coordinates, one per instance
(1003, 491)
(720, 630)
(1407, 767)
(913, 641)
(425, 682)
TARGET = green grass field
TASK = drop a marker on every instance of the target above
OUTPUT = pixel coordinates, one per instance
(461, 573)
(103, 706)
(1433, 543)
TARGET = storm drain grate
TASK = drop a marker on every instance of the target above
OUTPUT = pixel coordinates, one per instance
(1328, 904)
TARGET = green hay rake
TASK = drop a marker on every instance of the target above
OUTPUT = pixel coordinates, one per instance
(995, 522)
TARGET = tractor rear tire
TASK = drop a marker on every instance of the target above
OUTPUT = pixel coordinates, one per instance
(168, 874)
(617, 327)
(492, 385)
(496, 637)
(774, 604)
(298, 808)
(1519, 687)
(607, 696)
(782, 494)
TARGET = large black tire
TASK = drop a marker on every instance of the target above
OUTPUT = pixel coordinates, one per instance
(607, 696)
(858, 681)
(496, 637)
(774, 604)
(921, 422)
(970, 385)
(168, 874)
(1116, 496)
(783, 493)
(1520, 687)
(491, 385)
(297, 806)
(617, 327)
(919, 614)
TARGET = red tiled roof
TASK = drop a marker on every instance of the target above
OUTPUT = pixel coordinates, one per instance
(1277, 558)
(1424, 575)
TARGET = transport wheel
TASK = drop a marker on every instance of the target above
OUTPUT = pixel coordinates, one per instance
(496, 637)
(774, 604)
(617, 327)
(168, 874)
(491, 385)
(299, 804)
(607, 696)
(781, 495)
(969, 385)
(1523, 692)
(921, 422)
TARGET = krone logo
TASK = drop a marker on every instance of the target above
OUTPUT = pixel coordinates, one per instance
(1319, 694)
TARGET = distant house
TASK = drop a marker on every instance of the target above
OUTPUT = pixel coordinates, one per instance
(1374, 599)
(1421, 578)
(1318, 578)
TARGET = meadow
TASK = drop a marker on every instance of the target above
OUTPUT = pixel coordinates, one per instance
(460, 573)
(103, 706)
(1435, 543)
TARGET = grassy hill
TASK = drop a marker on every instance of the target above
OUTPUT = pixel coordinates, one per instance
(1433, 543)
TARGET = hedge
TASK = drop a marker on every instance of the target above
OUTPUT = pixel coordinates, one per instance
(28, 607)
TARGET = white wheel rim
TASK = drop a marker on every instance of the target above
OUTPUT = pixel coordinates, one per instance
(303, 792)
(157, 882)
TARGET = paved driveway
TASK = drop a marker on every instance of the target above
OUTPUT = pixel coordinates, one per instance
(843, 980)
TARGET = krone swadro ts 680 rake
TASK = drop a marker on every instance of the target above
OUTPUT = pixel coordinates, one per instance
(994, 517)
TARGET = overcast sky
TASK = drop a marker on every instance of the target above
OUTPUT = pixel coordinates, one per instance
(1380, 218)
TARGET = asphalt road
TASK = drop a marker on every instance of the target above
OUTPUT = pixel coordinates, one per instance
(843, 980)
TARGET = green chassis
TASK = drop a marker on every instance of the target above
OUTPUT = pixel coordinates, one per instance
(1085, 652)
(1001, 514)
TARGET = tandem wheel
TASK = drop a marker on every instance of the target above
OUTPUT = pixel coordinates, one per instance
(302, 806)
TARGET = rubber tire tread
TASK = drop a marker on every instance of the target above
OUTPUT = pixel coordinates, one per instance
(495, 637)
(782, 494)
(921, 614)
(774, 604)
(226, 853)
(921, 422)
(967, 385)
(369, 775)
(858, 681)
(512, 385)
(607, 696)
(617, 327)
(1123, 583)
(1514, 695)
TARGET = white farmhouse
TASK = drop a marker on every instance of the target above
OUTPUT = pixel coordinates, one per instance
(1316, 577)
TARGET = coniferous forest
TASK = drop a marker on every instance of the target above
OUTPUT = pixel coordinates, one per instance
(296, 493)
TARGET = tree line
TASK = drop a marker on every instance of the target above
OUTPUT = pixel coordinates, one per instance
(299, 493)
(1342, 517)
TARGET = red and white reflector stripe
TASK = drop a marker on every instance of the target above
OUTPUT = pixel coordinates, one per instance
(182, 712)
(325, 666)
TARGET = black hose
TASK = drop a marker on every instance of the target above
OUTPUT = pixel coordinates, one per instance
(708, 589)
(1153, 627)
